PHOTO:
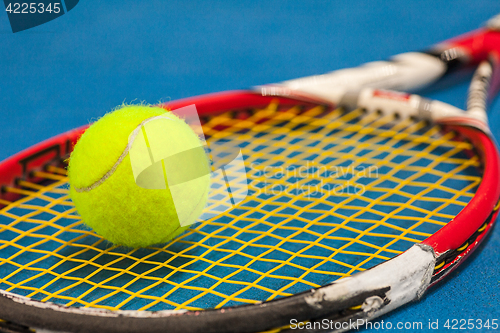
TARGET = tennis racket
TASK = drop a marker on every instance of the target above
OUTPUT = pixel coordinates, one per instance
(356, 199)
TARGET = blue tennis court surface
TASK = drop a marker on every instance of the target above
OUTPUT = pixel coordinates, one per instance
(70, 71)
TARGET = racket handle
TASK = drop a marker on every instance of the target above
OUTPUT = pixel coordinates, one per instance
(404, 72)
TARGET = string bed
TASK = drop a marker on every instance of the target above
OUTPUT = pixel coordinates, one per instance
(330, 193)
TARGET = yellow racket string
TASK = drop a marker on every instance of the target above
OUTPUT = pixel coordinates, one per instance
(329, 194)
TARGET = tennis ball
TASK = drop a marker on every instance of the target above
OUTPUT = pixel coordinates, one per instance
(131, 179)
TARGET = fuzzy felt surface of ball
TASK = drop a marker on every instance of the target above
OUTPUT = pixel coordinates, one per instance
(104, 182)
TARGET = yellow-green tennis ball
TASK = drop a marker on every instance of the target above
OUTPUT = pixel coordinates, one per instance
(104, 178)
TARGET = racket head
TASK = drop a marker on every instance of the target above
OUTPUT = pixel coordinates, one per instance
(31, 167)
